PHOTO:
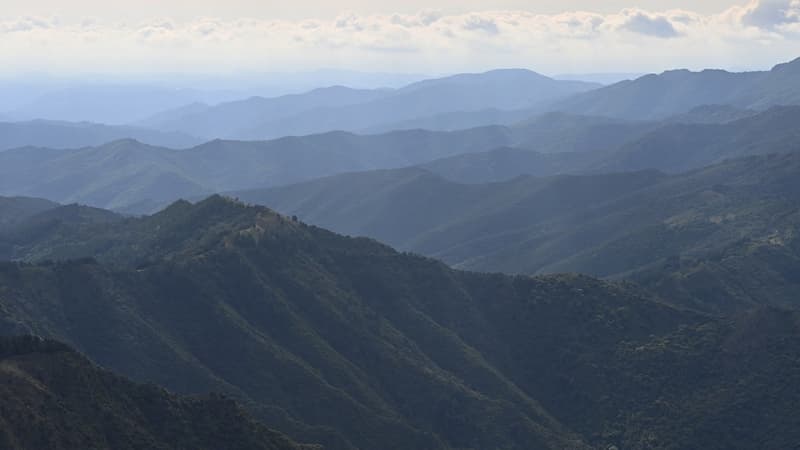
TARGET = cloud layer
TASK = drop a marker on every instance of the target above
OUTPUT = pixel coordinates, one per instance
(753, 34)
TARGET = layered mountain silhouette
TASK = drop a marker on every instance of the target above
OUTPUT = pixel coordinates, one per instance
(681, 147)
(607, 225)
(348, 343)
(537, 264)
(712, 114)
(129, 175)
(133, 177)
(345, 109)
(63, 135)
(678, 91)
(452, 121)
(229, 119)
(108, 103)
(499, 97)
(581, 145)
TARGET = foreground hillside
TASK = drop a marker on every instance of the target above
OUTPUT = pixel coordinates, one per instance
(54, 398)
(348, 343)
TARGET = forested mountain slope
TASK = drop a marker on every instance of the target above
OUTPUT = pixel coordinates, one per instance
(54, 398)
(606, 225)
(348, 343)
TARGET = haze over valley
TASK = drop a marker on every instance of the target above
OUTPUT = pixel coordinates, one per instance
(489, 225)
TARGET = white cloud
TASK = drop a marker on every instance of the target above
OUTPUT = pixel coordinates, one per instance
(755, 33)
(479, 22)
(770, 14)
(650, 25)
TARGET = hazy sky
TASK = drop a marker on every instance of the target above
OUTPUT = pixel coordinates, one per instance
(305, 9)
(433, 36)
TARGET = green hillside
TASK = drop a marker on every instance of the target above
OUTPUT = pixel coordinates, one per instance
(348, 343)
(54, 398)
(14, 210)
(606, 225)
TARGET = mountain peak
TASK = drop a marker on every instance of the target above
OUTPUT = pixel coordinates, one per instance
(676, 72)
(514, 71)
(791, 66)
(125, 142)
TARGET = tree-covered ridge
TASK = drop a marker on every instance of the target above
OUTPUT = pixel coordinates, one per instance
(131, 177)
(347, 343)
(739, 217)
(14, 210)
(250, 288)
(54, 398)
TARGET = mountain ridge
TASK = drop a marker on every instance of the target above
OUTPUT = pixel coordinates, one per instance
(348, 343)
(597, 224)
(500, 89)
(677, 91)
(64, 135)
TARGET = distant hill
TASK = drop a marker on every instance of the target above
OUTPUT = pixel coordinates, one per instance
(602, 78)
(112, 104)
(455, 214)
(169, 115)
(680, 147)
(54, 398)
(777, 87)
(350, 344)
(559, 132)
(506, 163)
(567, 144)
(135, 177)
(607, 225)
(546, 144)
(553, 132)
(675, 92)
(499, 89)
(116, 174)
(52, 134)
(709, 114)
(451, 121)
(458, 100)
(228, 120)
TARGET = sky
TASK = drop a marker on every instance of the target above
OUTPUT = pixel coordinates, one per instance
(414, 36)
